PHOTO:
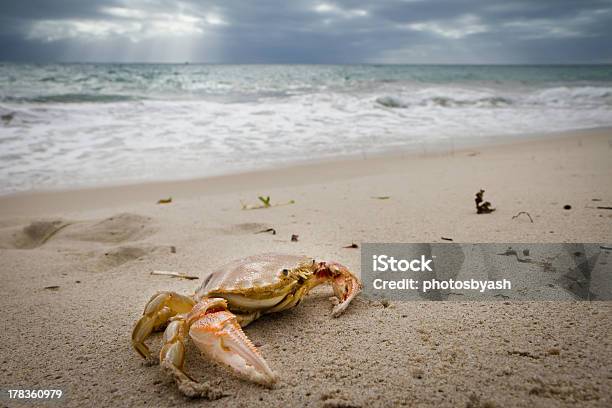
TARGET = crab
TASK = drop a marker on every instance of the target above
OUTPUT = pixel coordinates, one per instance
(230, 298)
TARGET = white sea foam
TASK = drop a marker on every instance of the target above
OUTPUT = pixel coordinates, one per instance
(68, 141)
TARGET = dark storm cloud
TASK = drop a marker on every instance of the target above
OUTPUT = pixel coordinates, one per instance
(395, 31)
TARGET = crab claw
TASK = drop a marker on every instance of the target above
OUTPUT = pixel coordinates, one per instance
(346, 286)
(219, 335)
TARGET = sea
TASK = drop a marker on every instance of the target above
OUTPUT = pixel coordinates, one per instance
(68, 126)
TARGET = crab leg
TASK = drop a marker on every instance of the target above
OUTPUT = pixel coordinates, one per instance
(160, 308)
(346, 286)
(173, 348)
(172, 359)
(217, 334)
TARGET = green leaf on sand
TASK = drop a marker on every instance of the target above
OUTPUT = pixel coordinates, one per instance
(266, 203)
(265, 200)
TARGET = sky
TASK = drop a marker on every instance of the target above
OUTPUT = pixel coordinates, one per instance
(301, 31)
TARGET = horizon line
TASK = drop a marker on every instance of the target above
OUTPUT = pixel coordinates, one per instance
(311, 63)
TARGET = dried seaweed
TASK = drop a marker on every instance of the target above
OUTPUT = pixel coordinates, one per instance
(294, 238)
(446, 239)
(482, 207)
(381, 197)
(353, 245)
(165, 200)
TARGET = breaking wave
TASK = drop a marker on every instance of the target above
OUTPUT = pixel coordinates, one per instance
(444, 102)
(559, 97)
(572, 96)
(71, 98)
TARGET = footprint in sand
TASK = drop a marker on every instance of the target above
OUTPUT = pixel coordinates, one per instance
(117, 256)
(118, 228)
(95, 243)
(124, 228)
(113, 230)
(31, 236)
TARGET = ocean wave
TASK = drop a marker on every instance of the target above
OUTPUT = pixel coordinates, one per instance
(444, 102)
(391, 102)
(9, 116)
(112, 142)
(570, 96)
(71, 98)
(554, 97)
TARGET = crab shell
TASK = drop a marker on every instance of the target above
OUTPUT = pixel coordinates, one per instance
(259, 283)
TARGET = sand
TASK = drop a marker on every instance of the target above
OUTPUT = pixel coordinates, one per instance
(76, 269)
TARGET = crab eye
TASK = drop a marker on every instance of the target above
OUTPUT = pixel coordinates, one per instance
(285, 272)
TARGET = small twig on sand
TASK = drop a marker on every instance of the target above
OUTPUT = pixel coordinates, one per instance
(175, 274)
(523, 212)
(272, 230)
(603, 208)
